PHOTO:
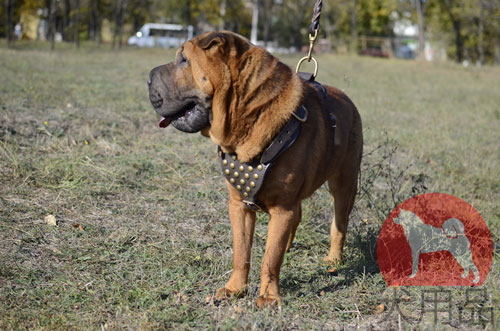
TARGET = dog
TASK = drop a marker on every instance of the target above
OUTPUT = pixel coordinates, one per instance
(425, 238)
(241, 97)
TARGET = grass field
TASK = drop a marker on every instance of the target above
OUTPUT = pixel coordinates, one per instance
(143, 238)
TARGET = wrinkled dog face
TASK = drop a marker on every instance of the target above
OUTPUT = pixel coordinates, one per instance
(182, 91)
(176, 95)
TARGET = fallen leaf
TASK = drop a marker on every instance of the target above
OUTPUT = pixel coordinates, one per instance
(78, 226)
(322, 293)
(379, 309)
(55, 250)
(50, 220)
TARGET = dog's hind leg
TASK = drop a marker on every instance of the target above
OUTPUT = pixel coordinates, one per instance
(343, 190)
(468, 265)
(295, 224)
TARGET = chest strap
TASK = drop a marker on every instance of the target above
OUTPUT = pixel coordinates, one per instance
(247, 178)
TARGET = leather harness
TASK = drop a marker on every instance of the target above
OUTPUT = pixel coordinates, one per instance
(247, 178)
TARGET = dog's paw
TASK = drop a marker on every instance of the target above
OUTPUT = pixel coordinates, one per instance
(225, 294)
(333, 263)
(268, 301)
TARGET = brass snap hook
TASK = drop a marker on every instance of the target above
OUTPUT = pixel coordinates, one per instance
(309, 57)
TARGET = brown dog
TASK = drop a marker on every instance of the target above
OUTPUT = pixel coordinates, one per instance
(241, 97)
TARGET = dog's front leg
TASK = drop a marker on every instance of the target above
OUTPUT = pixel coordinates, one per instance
(243, 224)
(280, 225)
(414, 267)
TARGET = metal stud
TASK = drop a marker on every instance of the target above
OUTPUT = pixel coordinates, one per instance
(245, 195)
(236, 174)
(231, 165)
(247, 176)
(259, 167)
(242, 168)
(238, 187)
(232, 181)
(248, 189)
(227, 172)
(255, 176)
(250, 168)
(242, 182)
(233, 157)
(224, 162)
(252, 184)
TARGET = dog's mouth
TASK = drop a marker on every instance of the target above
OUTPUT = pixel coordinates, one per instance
(185, 111)
(190, 118)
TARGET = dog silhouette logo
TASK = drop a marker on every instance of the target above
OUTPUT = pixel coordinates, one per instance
(434, 239)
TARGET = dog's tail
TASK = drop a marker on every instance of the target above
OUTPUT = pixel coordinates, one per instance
(453, 228)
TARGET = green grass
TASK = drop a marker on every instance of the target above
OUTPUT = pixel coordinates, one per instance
(143, 238)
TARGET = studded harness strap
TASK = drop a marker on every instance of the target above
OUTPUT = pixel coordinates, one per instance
(247, 178)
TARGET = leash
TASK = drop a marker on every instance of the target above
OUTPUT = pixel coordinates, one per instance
(313, 35)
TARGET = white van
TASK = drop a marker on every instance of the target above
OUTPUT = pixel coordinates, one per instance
(161, 35)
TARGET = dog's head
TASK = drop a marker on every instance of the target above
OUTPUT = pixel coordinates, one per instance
(404, 217)
(183, 91)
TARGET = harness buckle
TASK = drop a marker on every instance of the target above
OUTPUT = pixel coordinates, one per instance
(301, 119)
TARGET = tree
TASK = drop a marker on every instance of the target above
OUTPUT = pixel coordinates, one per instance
(51, 5)
(420, 8)
(76, 18)
(453, 9)
(119, 18)
(354, 27)
(9, 9)
(66, 20)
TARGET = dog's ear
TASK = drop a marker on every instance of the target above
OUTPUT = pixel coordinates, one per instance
(211, 40)
(226, 42)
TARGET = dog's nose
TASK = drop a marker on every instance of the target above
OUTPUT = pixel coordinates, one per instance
(149, 78)
(156, 99)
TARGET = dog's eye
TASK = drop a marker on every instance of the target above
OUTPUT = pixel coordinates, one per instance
(182, 59)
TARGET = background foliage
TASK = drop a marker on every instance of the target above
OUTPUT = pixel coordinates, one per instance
(470, 29)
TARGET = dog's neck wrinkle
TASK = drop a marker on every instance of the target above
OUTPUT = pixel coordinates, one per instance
(275, 94)
(271, 86)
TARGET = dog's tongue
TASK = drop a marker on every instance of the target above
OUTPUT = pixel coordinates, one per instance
(164, 122)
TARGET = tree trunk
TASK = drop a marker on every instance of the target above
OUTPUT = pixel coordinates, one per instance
(93, 21)
(98, 22)
(421, 29)
(255, 22)
(66, 20)
(353, 44)
(187, 12)
(457, 29)
(117, 20)
(77, 23)
(122, 19)
(222, 15)
(268, 16)
(52, 23)
(9, 4)
(480, 35)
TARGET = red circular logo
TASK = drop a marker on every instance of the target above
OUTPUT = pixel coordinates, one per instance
(434, 239)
